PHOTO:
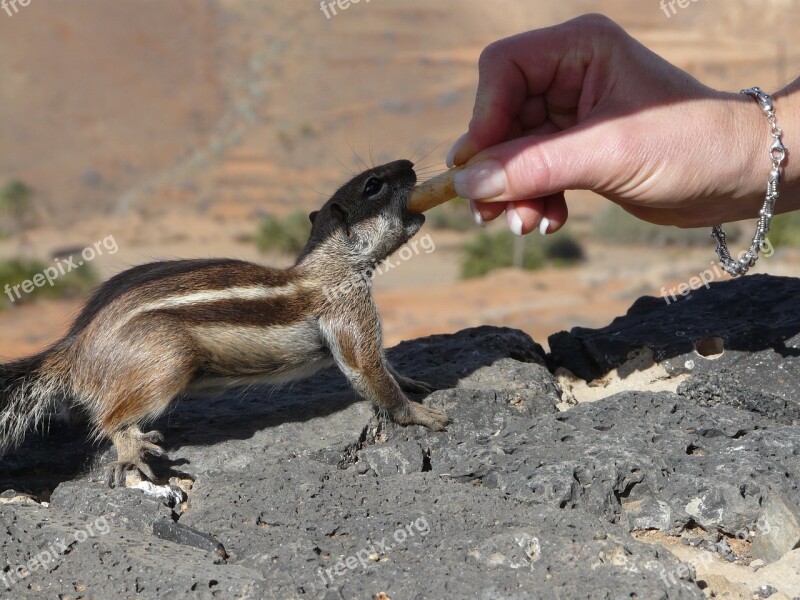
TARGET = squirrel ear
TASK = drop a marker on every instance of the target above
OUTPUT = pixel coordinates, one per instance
(344, 215)
(312, 216)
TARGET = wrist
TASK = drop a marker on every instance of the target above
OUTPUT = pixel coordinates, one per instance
(746, 162)
(749, 143)
(787, 111)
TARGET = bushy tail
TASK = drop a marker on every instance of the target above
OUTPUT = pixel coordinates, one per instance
(26, 397)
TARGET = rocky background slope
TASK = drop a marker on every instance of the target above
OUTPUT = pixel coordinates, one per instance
(672, 473)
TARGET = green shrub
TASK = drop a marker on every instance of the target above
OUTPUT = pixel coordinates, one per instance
(489, 251)
(16, 202)
(616, 226)
(785, 230)
(287, 235)
(15, 198)
(14, 272)
(562, 249)
(454, 215)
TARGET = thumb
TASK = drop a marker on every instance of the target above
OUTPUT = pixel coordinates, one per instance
(539, 165)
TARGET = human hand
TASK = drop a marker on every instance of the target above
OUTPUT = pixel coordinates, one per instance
(583, 105)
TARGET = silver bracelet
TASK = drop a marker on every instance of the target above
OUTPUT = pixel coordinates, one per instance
(777, 155)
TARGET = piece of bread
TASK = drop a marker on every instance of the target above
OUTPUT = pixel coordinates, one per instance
(433, 192)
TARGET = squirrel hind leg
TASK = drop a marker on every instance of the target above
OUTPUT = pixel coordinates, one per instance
(139, 391)
(133, 446)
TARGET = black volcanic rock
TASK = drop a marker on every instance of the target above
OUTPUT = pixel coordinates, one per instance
(304, 493)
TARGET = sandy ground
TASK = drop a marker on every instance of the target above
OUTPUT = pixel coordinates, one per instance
(737, 580)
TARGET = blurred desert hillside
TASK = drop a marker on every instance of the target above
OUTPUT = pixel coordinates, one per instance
(175, 127)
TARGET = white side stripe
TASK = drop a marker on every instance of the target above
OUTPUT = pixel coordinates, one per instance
(205, 297)
(209, 296)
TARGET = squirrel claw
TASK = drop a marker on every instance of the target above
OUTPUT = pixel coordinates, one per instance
(133, 447)
(117, 470)
(152, 437)
(152, 449)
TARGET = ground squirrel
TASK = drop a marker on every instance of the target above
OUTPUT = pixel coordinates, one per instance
(156, 331)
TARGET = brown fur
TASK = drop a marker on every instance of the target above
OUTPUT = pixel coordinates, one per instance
(158, 330)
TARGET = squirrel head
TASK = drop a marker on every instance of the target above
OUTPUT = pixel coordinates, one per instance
(367, 219)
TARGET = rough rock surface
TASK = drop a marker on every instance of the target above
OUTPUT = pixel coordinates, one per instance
(775, 541)
(304, 493)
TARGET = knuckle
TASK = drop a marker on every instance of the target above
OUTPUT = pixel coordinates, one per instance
(596, 27)
(597, 22)
(491, 54)
(532, 170)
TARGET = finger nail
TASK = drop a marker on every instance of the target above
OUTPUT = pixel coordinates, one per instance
(514, 220)
(486, 179)
(451, 156)
(543, 225)
(476, 214)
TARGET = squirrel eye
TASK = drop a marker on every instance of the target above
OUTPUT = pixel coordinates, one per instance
(373, 186)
